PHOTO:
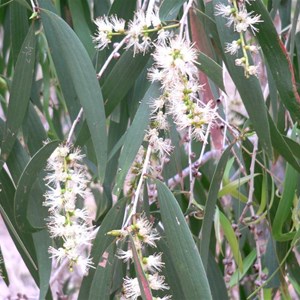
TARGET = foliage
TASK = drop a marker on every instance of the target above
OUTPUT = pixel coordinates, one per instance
(151, 148)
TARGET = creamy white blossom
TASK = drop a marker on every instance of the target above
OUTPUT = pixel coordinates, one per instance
(67, 180)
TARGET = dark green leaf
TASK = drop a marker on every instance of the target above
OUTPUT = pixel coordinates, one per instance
(169, 9)
(42, 242)
(100, 288)
(121, 78)
(134, 136)
(254, 101)
(27, 179)
(20, 92)
(112, 221)
(210, 206)
(71, 60)
(187, 261)
(278, 60)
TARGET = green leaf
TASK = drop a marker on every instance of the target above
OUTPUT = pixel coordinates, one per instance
(71, 60)
(103, 275)
(254, 100)
(285, 205)
(80, 20)
(213, 70)
(112, 221)
(183, 251)
(169, 9)
(210, 206)
(18, 26)
(26, 181)
(233, 185)
(19, 93)
(123, 75)
(232, 240)
(134, 137)
(247, 263)
(282, 145)
(277, 59)
(42, 242)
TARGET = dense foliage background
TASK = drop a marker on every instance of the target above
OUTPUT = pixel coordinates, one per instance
(226, 206)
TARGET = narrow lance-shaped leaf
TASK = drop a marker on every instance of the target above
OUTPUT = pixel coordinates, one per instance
(211, 205)
(27, 179)
(134, 136)
(285, 205)
(232, 240)
(103, 275)
(276, 55)
(20, 92)
(183, 250)
(249, 88)
(113, 220)
(70, 56)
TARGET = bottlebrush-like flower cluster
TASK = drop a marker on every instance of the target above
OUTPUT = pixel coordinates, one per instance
(143, 235)
(67, 180)
(175, 68)
(137, 31)
(242, 20)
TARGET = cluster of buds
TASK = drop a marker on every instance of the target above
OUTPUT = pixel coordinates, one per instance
(67, 181)
(175, 68)
(137, 31)
(242, 20)
(143, 234)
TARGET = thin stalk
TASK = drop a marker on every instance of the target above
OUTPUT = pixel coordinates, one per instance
(139, 186)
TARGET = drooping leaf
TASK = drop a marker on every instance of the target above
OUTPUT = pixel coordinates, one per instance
(71, 60)
(254, 101)
(232, 240)
(112, 221)
(183, 250)
(211, 206)
(20, 92)
(27, 179)
(100, 288)
(278, 61)
(42, 242)
(134, 137)
(123, 74)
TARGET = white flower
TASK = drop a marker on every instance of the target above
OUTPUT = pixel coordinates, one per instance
(131, 288)
(232, 47)
(157, 282)
(117, 24)
(240, 61)
(146, 233)
(252, 48)
(66, 182)
(124, 255)
(178, 56)
(104, 30)
(153, 263)
(224, 10)
(252, 70)
(160, 145)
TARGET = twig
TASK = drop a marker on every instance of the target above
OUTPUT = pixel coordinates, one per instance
(139, 186)
(172, 182)
(77, 120)
(111, 56)
(184, 16)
